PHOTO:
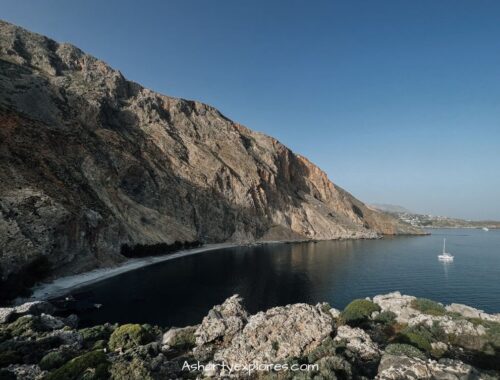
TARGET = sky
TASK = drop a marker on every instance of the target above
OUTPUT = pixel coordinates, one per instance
(398, 101)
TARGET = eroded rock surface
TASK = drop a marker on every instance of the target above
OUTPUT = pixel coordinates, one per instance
(223, 321)
(278, 334)
(358, 341)
(405, 368)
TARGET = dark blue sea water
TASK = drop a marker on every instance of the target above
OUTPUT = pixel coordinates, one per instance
(181, 291)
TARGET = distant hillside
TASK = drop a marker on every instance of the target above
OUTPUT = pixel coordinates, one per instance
(389, 208)
(432, 221)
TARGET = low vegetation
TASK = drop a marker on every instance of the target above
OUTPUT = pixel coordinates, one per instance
(92, 365)
(54, 359)
(400, 349)
(428, 306)
(94, 334)
(144, 250)
(359, 311)
(129, 336)
(386, 317)
(422, 336)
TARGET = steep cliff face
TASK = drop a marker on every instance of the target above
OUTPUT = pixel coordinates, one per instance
(90, 161)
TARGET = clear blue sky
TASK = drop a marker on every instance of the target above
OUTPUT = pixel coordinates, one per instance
(398, 101)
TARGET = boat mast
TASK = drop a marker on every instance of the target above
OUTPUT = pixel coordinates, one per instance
(444, 245)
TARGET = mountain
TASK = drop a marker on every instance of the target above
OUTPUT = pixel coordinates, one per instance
(91, 162)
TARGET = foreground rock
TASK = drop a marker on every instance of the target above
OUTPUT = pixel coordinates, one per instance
(90, 161)
(367, 340)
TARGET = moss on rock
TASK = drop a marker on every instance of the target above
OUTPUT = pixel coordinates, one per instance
(386, 317)
(134, 369)
(52, 360)
(401, 349)
(91, 335)
(129, 336)
(92, 365)
(428, 306)
(25, 326)
(418, 340)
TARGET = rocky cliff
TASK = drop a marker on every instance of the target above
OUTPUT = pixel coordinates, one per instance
(389, 337)
(90, 161)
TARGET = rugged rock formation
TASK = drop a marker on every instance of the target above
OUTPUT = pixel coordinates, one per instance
(300, 342)
(90, 161)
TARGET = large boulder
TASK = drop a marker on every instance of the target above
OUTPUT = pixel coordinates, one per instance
(222, 322)
(278, 334)
(470, 312)
(180, 337)
(398, 304)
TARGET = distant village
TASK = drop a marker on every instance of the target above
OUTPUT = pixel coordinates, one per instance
(433, 221)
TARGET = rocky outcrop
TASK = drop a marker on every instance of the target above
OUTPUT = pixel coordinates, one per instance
(33, 308)
(277, 334)
(90, 161)
(405, 368)
(358, 341)
(291, 342)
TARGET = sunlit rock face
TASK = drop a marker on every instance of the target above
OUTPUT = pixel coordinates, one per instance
(91, 161)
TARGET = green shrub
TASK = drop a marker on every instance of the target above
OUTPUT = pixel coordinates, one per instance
(144, 250)
(128, 336)
(359, 311)
(25, 326)
(93, 334)
(327, 347)
(10, 357)
(418, 340)
(386, 317)
(75, 368)
(132, 369)
(399, 349)
(428, 306)
(421, 336)
(52, 360)
(100, 345)
(492, 335)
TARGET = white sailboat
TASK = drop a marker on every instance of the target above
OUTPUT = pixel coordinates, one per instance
(445, 256)
(486, 229)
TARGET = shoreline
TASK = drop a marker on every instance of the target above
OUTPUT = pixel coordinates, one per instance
(63, 285)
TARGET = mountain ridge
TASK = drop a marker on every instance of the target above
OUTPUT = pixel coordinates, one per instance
(91, 161)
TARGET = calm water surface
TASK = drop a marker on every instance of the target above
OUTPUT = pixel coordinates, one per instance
(181, 291)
